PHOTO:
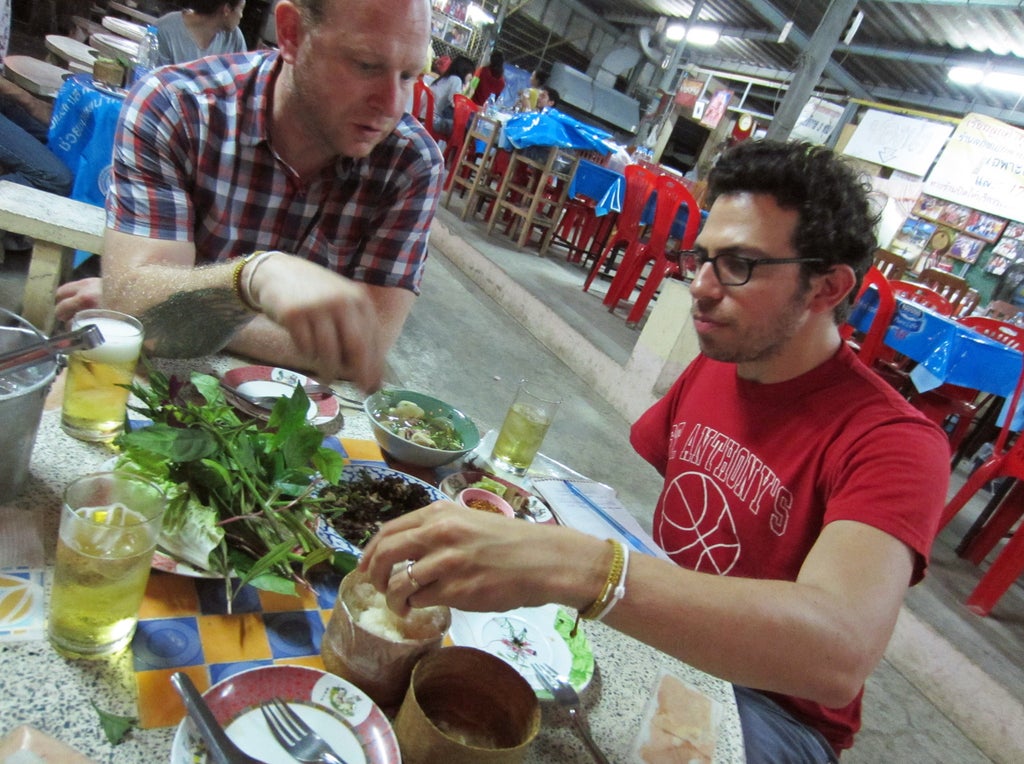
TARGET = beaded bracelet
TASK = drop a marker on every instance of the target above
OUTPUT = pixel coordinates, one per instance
(620, 587)
(613, 590)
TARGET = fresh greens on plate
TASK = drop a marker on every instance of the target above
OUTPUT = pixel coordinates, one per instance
(238, 491)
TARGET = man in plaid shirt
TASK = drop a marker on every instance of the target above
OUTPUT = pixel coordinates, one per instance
(278, 203)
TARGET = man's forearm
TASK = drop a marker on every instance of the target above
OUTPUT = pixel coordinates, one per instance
(185, 311)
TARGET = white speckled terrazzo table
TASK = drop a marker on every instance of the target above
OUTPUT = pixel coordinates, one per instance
(40, 688)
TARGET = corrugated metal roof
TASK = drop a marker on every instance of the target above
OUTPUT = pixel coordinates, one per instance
(900, 54)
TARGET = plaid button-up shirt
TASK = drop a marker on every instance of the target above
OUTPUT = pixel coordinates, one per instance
(193, 162)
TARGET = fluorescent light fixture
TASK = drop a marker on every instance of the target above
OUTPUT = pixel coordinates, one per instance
(966, 75)
(477, 15)
(702, 37)
(1013, 83)
(675, 32)
(970, 75)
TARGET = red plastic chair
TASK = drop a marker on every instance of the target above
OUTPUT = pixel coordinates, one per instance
(639, 187)
(1008, 566)
(464, 108)
(423, 106)
(1001, 331)
(672, 194)
(923, 295)
(871, 345)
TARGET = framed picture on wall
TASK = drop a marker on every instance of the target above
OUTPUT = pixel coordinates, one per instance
(987, 227)
(966, 248)
(1014, 230)
(1011, 248)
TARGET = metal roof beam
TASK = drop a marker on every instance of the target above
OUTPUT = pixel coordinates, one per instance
(778, 19)
(970, 3)
(952, 105)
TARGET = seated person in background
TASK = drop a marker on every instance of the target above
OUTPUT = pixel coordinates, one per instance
(206, 28)
(327, 179)
(446, 87)
(794, 509)
(527, 98)
(437, 67)
(24, 156)
(547, 98)
(490, 79)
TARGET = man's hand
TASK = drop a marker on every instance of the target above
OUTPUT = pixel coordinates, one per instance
(77, 295)
(332, 320)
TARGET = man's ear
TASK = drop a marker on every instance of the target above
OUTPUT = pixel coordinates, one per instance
(832, 288)
(290, 29)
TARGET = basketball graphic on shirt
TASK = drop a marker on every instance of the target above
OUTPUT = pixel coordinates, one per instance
(702, 530)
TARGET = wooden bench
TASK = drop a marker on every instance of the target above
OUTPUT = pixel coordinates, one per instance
(38, 77)
(58, 226)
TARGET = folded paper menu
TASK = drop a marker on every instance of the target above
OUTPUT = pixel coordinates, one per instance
(594, 508)
(680, 725)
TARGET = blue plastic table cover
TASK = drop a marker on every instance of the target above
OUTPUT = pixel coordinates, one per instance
(946, 351)
(553, 128)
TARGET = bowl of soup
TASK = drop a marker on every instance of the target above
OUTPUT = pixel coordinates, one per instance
(419, 429)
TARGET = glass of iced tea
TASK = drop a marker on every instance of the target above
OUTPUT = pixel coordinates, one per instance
(523, 430)
(95, 390)
(109, 525)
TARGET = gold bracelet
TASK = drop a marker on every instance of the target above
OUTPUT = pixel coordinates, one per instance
(236, 281)
(597, 607)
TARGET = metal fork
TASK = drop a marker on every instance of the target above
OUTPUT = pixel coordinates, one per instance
(566, 696)
(295, 735)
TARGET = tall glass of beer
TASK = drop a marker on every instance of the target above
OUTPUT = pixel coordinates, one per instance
(523, 430)
(109, 525)
(95, 390)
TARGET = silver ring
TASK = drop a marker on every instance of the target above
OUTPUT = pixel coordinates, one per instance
(412, 578)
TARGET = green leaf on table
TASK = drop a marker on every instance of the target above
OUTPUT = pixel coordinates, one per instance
(176, 444)
(114, 727)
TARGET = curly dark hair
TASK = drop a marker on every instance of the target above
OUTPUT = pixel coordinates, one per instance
(836, 221)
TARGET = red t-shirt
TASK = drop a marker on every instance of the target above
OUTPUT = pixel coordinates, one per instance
(753, 473)
(488, 84)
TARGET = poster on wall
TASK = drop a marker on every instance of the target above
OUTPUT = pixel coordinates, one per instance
(892, 140)
(689, 91)
(981, 167)
(817, 121)
(715, 109)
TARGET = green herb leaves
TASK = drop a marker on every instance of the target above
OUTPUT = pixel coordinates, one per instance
(239, 491)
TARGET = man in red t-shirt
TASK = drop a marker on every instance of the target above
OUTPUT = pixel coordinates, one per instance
(800, 493)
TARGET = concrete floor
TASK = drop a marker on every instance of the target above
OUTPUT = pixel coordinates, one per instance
(951, 688)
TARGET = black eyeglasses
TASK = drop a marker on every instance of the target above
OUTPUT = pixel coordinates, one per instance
(736, 270)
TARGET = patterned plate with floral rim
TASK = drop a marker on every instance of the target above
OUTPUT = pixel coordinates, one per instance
(527, 636)
(338, 711)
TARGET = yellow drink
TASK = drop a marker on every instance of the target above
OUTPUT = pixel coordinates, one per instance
(520, 437)
(94, 397)
(104, 553)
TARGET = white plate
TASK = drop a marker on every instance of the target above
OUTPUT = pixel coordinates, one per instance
(279, 383)
(338, 711)
(525, 637)
(335, 540)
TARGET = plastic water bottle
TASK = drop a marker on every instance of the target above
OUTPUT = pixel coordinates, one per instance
(149, 53)
(490, 108)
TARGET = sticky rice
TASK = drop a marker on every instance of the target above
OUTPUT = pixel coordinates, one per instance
(370, 610)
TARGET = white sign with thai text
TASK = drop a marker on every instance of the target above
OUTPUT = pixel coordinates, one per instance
(817, 121)
(982, 167)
